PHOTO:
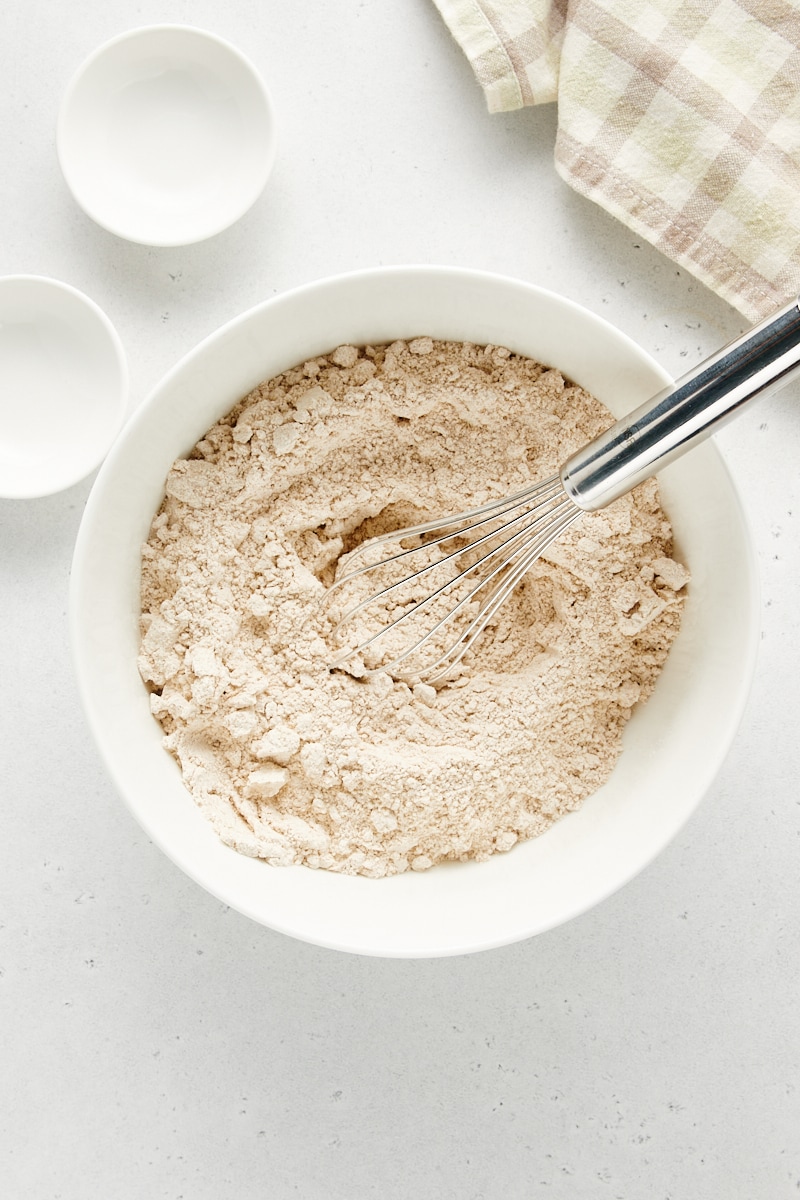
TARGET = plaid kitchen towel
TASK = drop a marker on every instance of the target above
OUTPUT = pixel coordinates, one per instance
(680, 117)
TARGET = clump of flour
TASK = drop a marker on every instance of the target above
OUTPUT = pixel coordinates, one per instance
(294, 763)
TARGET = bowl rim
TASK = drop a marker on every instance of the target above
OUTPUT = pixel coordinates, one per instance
(49, 283)
(268, 142)
(736, 705)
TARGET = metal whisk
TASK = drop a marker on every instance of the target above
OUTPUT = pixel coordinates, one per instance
(456, 572)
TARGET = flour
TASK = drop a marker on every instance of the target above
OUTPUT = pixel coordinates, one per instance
(294, 763)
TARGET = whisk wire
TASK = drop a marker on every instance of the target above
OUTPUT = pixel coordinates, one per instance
(545, 489)
(546, 511)
(453, 655)
(500, 507)
(426, 600)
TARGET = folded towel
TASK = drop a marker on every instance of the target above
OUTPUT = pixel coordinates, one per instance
(679, 117)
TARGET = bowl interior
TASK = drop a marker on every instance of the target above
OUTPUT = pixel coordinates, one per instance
(166, 135)
(673, 744)
(63, 385)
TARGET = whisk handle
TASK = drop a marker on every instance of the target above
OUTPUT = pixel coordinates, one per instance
(684, 413)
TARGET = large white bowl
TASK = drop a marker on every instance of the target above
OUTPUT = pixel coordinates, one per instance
(673, 746)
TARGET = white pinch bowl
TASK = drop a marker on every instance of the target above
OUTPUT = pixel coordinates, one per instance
(166, 135)
(673, 745)
(63, 385)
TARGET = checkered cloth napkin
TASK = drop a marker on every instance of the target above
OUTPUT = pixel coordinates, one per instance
(679, 117)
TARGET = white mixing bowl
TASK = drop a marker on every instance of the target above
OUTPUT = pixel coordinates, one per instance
(673, 746)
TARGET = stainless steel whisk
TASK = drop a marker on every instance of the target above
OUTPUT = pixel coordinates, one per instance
(494, 545)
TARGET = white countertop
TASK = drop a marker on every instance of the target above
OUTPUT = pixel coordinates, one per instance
(154, 1043)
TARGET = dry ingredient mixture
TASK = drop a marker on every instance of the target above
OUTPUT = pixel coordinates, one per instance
(294, 763)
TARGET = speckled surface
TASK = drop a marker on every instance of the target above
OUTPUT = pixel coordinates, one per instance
(155, 1044)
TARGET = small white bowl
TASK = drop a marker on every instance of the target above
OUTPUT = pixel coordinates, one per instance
(166, 135)
(672, 748)
(63, 386)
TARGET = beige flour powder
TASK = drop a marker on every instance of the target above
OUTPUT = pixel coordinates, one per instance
(295, 763)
